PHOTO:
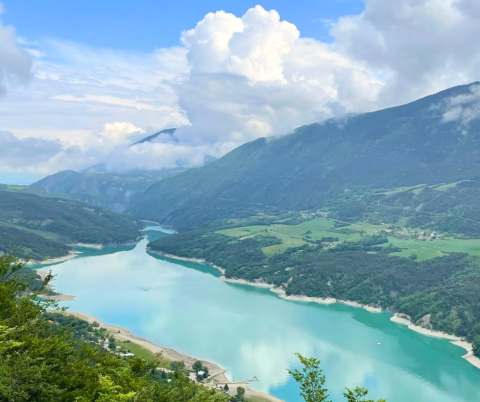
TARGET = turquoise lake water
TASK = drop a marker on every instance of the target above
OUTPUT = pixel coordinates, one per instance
(252, 332)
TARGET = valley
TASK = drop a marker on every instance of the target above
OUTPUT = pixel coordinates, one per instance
(161, 299)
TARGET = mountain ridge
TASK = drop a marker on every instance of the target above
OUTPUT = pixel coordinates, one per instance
(399, 146)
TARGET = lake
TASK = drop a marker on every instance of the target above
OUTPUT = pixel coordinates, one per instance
(252, 332)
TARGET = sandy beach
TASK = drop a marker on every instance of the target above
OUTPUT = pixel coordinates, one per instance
(216, 372)
(144, 220)
(244, 282)
(88, 245)
(99, 246)
(69, 256)
(56, 296)
(320, 300)
(469, 356)
(176, 257)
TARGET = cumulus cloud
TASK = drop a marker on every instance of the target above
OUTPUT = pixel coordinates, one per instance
(15, 62)
(417, 46)
(253, 76)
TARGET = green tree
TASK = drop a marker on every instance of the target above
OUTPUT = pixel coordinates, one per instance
(197, 366)
(311, 379)
(357, 395)
(240, 394)
(45, 362)
(312, 383)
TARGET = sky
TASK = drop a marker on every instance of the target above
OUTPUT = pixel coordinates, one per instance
(81, 81)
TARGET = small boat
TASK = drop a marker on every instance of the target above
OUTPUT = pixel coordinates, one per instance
(379, 343)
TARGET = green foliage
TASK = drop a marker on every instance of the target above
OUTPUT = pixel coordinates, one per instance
(312, 383)
(45, 361)
(79, 329)
(240, 394)
(30, 243)
(311, 380)
(197, 366)
(43, 227)
(357, 395)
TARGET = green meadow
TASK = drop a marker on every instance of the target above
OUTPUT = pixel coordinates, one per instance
(315, 229)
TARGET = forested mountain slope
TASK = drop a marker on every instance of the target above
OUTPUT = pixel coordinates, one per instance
(433, 140)
(44, 227)
(114, 191)
(98, 185)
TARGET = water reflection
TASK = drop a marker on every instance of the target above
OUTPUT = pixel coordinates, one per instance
(251, 332)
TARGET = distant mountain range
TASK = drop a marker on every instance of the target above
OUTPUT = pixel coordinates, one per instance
(428, 141)
(99, 186)
(113, 191)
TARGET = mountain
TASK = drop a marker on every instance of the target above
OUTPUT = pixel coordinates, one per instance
(150, 138)
(113, 191)
(43, 227)
(428, 141)
(98, 185)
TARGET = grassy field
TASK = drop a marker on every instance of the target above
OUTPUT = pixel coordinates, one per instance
(419, 187)
(445, 187)
(139, 351)
(436, 248)
(295, 236)
(403, 189)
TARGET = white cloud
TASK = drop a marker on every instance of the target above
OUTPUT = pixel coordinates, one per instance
(325, 21)
(15, 62)
(237, 78)
(254, 76)
(417, 46)
(109, 100)
(463, 108)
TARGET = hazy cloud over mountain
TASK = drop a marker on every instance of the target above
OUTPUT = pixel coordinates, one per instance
(234, 79)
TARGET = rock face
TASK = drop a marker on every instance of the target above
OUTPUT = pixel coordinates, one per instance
(424, 322)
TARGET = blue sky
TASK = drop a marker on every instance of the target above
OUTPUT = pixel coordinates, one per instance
(148, 24)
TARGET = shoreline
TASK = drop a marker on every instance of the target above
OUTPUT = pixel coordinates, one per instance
(56, 296)
(455, 340)
(279, 291)
(215, 370)
(74, 253)
(176, 257)
(99, 246)
(69, 256)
